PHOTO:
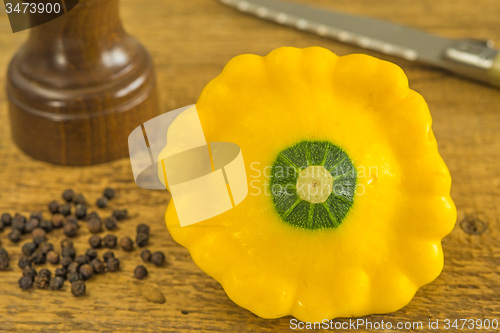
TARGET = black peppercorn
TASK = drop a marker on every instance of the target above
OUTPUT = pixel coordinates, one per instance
(31, 225)
(69, 252)
(24, 261)
(102, 202)
(65, 209)
(74, 267)
(38, 258)
(18, 215)
(109, 193)
(79, 199)
(6, 219)
(146, 255)
(142, 239)
(36, 215)
(86, 271)
(45, 247)
(42, 281)
(110, 241)
(18, 223)
(143, 229)
(54, 207)
(127, 244)
(56, 283)
(57, 221)
(95, 241)
(28, 270)
(46, 225)
(4, 263)
(78, 288)
(81, 260)
(111, 223)
(72, 219)
(74, 276)
(45, 272)
(91, 254)
(107, 255)
(39, 240)
(66, 261)
(67, 242)
(1, 226)
(3, 252)
(158, 258)
(68, 195)
(80, 211)
(14, 235)
(53, 257)
(113, 264)
(61, 272)
(93, 215)
(70, 229)
(94, 225)
(38, 237)
(98, 266)
(28, 249)
(140, 272)
(120, 214)
(26, 282)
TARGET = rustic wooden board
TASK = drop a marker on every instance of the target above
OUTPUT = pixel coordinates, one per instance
(190, 42)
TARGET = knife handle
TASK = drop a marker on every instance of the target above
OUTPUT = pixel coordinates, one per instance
(494, 72)
(475, 59)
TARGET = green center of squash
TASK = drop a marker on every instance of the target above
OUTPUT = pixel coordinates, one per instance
(313, 185)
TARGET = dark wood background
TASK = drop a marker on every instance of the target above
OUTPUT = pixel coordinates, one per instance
(190, 42)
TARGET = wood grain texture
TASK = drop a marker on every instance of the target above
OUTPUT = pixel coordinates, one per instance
(190, 41)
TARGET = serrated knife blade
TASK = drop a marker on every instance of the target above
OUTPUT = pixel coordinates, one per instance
(467, 57)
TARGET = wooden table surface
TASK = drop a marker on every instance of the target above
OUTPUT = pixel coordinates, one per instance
(190, 42)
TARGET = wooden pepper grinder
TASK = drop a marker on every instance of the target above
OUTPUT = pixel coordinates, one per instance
(79, 86)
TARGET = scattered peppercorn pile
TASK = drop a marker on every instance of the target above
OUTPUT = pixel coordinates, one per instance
(74, 268)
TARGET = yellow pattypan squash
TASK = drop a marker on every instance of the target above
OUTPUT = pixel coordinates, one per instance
(348, 197)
